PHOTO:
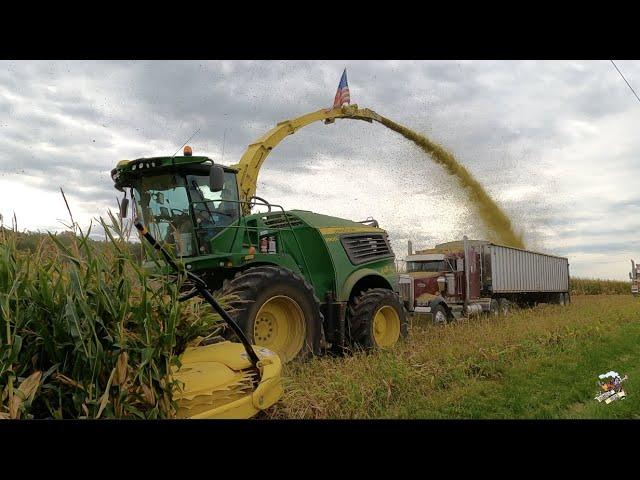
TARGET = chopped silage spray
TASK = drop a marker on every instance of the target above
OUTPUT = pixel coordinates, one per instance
(497, 222)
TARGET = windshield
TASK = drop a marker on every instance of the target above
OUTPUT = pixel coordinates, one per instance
(164, 206)
(430, 266)
(164, 201)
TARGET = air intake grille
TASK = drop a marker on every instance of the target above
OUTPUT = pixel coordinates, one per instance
(280, 221)
(405, 291)
(366, 247)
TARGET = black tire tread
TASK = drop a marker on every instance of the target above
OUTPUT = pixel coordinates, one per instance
(444, 310)
(244, 288)
(361, 311)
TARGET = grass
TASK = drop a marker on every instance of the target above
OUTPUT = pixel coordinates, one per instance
(538, 363)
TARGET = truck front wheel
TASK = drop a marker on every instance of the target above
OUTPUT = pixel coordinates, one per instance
(376, 319)
(276, 309)
(439, 315)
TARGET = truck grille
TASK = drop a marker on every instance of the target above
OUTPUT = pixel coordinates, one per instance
(280, 221)
(366, 247)
(405, 284)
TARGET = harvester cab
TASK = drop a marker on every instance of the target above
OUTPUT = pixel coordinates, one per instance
(302, 282)
(185, 201)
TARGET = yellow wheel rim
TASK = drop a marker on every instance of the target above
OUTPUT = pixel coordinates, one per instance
(386, 326)
(279, 325)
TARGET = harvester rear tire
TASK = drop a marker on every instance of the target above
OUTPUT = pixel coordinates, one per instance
(375, 303)
(286, 294)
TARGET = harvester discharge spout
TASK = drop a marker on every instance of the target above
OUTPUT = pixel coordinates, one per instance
(255, 155)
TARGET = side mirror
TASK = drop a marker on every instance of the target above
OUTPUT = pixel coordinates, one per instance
(216, 178)
(630, 276)
(124, 207)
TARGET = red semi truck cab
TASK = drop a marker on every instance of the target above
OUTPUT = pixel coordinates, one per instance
(438, 274)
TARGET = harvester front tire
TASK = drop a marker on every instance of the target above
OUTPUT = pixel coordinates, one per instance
(377, 319)
(277, 309)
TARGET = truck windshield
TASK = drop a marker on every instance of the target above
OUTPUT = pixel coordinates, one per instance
(164, 206)
(430, 266)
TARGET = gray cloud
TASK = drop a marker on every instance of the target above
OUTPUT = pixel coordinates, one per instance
(552, 141)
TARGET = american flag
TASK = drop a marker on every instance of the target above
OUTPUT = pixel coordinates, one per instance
(342, 95)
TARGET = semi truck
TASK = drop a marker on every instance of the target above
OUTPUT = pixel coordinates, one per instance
(634, 275)
(473, 277)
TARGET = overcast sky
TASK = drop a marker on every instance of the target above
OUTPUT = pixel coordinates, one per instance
(555, 143)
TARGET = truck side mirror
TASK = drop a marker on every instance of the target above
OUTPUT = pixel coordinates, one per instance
(630, 276)
(124, 207)
(216, 178)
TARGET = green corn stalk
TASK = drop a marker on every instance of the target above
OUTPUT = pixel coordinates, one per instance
(74, 309)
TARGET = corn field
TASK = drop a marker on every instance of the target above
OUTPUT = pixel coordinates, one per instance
(597, 286)
(85, 332)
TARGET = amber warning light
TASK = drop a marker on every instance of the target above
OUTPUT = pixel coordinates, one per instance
(187, 151)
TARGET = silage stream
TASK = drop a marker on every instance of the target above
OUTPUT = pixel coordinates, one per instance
(495, 219)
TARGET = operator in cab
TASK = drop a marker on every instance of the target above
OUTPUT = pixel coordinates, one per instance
(213, 211)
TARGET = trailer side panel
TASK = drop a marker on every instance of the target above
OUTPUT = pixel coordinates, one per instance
(514, 270)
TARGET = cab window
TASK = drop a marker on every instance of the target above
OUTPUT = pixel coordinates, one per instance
(213, 210)
(430, 266)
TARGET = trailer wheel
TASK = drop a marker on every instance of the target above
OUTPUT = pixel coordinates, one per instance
(567, 299)
(527, 304)
(562, 300)
(277, 309)
(377, 319)
(494, 308)
(505, 306)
